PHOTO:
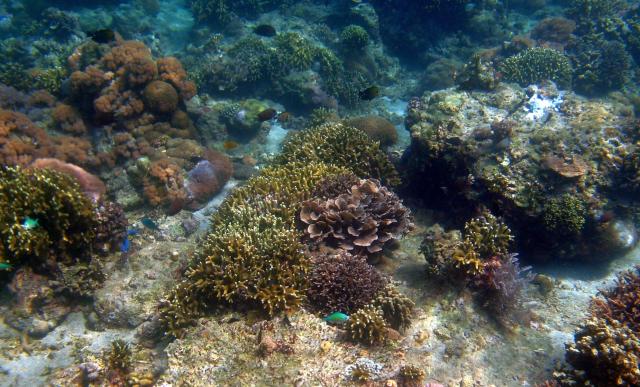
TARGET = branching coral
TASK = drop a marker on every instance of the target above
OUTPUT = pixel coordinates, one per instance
(537, 64)
(397, 309)
(111, 226)
(367, 326)
(488, 235)
(43, 215)
(622, 302)
(565, 215)
(253, 256)
(603, 354)
(411, 376)
(342, 282)
(342, 146)
(354, 37)
(362, 220)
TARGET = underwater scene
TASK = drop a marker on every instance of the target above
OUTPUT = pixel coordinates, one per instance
(437, 193)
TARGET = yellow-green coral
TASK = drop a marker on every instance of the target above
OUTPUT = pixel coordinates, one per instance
(253, 255)
(367, 326)
(343, 146)
(466, 259)
(488, 235)
(537, 64)
(411, 375)
(396, 307)
(63, 216)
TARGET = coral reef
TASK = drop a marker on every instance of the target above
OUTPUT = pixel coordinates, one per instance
(535, 65)
(565, 216)
(377, 128)
(342, 146)
(342, 282)
(367, 326)
(44, 216)
(411, 376)
(362, 220)
(354, 37)
(111, 227)
(397, 309)
(253, 256)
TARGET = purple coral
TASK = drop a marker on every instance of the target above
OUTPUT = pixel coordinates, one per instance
(208, 177)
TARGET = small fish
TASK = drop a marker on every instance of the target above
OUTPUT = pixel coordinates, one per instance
(133, 231)
(230, 144)
(369, 93)
(284, 117)
(125, 245)
(5, 266)
(150, 224)
(336, 318)
(30, 223)
(265, 30)
(102, 36)
(267, 114)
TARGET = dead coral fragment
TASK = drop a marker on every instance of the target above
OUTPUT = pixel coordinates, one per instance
(342, 282)
(569, 168)
(367, 326)
(363, 220)
(343, 146)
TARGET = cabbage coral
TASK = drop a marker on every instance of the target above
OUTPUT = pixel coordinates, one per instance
(363, 220)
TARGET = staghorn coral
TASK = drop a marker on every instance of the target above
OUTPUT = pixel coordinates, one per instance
(396, 308)
(340, 145)
(64, 217)
(537, 64)
(363, 220)
(367, 326)
(118, 361)
(354, 37)
(342, 282)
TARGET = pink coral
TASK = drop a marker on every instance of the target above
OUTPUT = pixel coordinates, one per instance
(90, 184)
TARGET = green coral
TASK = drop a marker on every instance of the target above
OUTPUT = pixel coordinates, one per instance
(537, 64)
(565, 215)
(396, 308)
(343, 146)
(65, 217)
(252, 256)
(295, 50)
(354, 37)
(119, 356)
(367, 326)
(596, 16)
(488, 235)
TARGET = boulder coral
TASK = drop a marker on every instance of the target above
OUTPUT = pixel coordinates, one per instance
(377, 128)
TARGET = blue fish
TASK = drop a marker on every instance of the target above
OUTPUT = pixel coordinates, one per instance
(150, 224)
(124, 246)
(133, 231)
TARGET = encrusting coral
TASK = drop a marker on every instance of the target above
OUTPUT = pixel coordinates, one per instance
(343, 146)
(362, 220)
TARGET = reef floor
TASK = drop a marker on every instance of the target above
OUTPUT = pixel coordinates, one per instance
(452, 338)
